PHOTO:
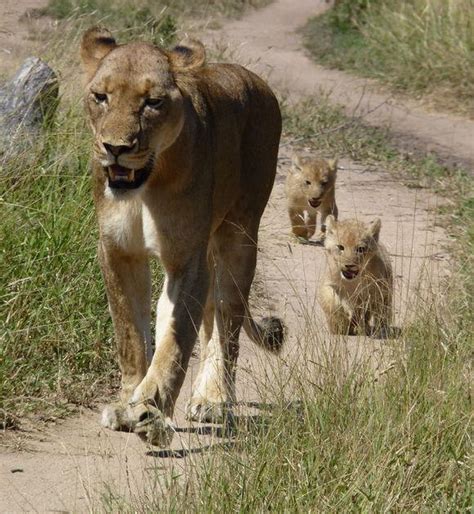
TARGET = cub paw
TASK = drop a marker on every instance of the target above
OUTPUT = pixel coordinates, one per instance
(151, 425)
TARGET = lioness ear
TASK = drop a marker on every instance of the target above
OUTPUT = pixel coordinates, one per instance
(330, 223)
(374, 228)
(96, 43)
(332, 163)
(188, 55)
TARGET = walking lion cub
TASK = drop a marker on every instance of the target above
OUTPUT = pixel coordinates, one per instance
(356, 295)
(310, 188)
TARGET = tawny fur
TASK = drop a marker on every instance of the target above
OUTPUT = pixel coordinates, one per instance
(356, 295)
(310, 188)
(198, 144)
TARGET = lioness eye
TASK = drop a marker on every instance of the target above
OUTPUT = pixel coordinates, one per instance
(308, 183)
(361, 249)
(324, 182)
(100, 98)
(154, 103)
(340, 248)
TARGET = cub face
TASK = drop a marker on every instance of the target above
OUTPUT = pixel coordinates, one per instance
(135, 108)
(311, 179)
(350, 245)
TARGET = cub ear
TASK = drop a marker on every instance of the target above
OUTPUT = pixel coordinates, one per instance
(188, 55)
(374, 228)
(330, 223)
(332, 163)
(96, 43)
(296, 163)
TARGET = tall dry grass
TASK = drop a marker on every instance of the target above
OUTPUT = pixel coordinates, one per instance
(424, 47)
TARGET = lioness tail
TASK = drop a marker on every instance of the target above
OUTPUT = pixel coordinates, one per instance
(269, 333)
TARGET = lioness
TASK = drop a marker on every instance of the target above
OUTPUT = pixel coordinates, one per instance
(184, 159)
(358, 285)
(310, 188)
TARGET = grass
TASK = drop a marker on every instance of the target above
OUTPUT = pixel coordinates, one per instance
(155, 15)
(423, 47)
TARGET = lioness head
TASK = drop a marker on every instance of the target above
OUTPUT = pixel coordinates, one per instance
(313, 178)
(135, 107)
(351, 244)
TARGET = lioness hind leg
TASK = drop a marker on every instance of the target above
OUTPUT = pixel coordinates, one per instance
(236, 260)
(208, 349)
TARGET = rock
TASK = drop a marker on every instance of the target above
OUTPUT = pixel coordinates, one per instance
(27, 103)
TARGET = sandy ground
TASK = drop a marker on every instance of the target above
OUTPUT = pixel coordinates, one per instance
(66, 466)
(20, 30)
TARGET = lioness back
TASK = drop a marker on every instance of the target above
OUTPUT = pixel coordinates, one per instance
(241, 119)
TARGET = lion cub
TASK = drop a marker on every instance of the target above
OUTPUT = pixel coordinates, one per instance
(310, 188)
(358, 285)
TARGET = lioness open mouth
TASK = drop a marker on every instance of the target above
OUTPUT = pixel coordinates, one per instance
(314, 203)
(349, 274)
(120, 177)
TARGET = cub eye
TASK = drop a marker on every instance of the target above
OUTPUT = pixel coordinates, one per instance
(308, 183)
(340, 248)
(100, 98)
(361, 249)
(154, 103)
(324, 182)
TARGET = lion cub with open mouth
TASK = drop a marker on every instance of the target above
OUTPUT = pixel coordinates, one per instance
(310, 188)
(357, 289)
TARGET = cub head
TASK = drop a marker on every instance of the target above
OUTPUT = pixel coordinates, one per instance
(350, 244)
(135, 108)
(313, 177)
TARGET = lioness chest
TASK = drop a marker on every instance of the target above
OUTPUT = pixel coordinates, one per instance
(129, 225)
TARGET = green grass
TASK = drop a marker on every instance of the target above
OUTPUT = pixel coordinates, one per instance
(135, 14)
(422, 47)
(56, 335)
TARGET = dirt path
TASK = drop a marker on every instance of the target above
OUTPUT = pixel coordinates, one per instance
(67, 466)
(269, 39)
(19, 28)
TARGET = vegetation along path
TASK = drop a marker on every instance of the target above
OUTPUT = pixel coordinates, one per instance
(74, 464)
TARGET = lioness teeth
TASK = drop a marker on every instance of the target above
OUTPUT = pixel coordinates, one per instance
(117, 173)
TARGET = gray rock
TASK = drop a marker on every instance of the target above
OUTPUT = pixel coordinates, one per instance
(27, 103)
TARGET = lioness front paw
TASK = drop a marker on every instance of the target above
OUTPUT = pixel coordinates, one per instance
(115, 417)
(151, 425)
(204, 411)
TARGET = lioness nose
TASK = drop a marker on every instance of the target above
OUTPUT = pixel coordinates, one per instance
(117, 150)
